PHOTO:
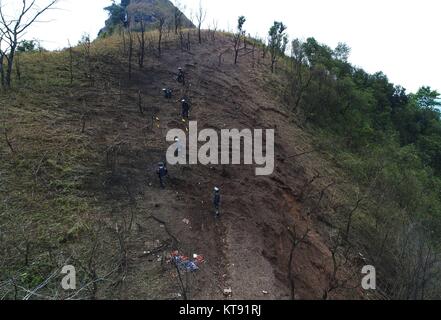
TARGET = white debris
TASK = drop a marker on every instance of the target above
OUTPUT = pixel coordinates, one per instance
(228, 292)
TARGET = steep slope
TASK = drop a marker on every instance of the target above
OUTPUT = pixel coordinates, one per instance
(99, 143)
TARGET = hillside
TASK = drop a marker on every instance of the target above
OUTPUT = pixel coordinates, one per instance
(67, 201)
(79, 184)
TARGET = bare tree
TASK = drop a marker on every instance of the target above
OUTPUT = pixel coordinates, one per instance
(351, 214)
(87, 47)
(188, 41)
(238, 37)
(215, 27)
(178, 23)
(339, 279)
(70, 62)
(2, 59)
(13, 28)
(161, 24)
(296, 240)
(200, 17)
(124, 48)
(130, 53)
(178, 16)
(141, 43)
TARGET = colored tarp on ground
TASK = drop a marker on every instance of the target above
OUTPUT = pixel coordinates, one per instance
(185, 263)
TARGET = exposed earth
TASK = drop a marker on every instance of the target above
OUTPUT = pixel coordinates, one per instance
(250, 248)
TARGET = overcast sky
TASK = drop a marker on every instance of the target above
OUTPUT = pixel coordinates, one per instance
(399, 37)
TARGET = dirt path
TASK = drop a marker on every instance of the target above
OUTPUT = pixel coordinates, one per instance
(249, 248)
(224, 97)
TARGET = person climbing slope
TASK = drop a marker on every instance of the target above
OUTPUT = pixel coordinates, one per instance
(162, 173)
(181, 76)
(168, 93)
(179, 147)
(185, 109)
(216, 202)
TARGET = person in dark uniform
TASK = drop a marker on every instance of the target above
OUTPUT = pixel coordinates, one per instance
(181, 76)
(168, 93)
(216, 202)
(162, 173)
(185, 109)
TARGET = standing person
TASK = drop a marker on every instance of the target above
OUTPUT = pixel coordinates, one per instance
(181, 151)
(179, 147)
(162, 173)
(167, 93)
(216, 202)
(181, 76)
(185, 109)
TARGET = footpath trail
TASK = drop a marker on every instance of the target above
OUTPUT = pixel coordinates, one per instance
(248, 249)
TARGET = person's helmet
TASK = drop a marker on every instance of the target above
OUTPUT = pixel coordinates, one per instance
(216, 189)
(161, 164)
(164, 89)
(176, 139)
(183, 100)
(180, 69)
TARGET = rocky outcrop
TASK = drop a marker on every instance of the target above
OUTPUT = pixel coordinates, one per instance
(134, 12)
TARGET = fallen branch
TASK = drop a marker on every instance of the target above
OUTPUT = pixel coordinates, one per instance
(41, 286)
(7, 140)
(301, 154)
(37, 170)
(104, 278)
(175, 240)
(158, 249)
(295, 242)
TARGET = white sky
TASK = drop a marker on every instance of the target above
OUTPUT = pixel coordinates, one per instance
(399, 37)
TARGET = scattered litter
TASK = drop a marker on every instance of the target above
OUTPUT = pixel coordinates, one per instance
(186, 221)
(184, 263)
(265, 292)
(199, 258)
(162, 226)
(228, 292)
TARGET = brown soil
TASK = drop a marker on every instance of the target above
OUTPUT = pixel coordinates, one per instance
(249, 247)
